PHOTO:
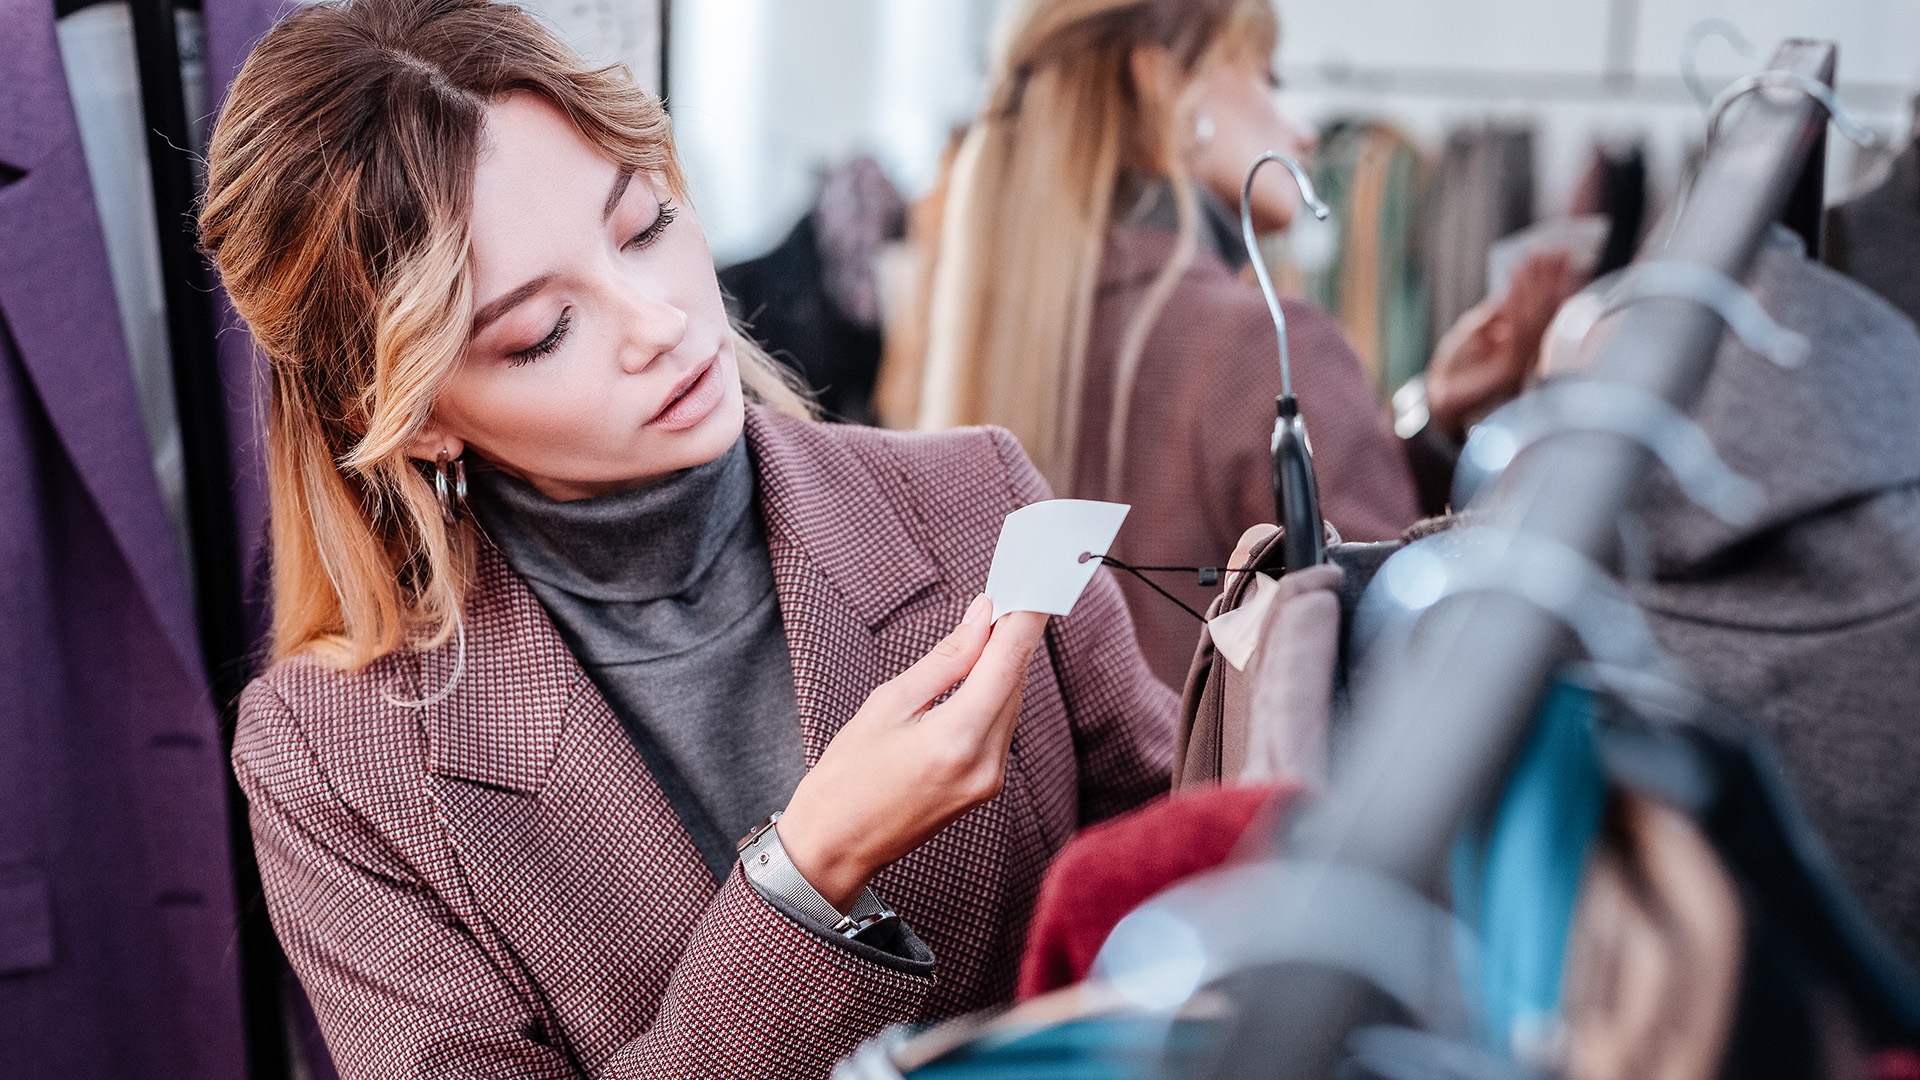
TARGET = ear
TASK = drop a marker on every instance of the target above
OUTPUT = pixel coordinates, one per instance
(431, 440)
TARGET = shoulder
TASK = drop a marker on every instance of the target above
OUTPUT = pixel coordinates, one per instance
(306, 729)
(966, 464)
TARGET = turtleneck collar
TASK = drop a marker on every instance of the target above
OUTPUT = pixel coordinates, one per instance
(650, 543)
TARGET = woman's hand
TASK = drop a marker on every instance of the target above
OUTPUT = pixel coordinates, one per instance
(899, 772)
(1484, 360)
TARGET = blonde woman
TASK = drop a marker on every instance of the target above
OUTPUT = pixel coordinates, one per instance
(570, 598)
(1088, 296)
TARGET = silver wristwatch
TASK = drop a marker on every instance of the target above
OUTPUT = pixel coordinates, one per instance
(767, 866)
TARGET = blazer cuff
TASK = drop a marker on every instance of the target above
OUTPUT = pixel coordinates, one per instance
(897, 947)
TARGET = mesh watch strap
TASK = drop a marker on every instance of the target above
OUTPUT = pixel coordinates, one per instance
(765, 862)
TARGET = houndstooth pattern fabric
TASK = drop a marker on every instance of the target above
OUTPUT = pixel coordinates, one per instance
(493, 885)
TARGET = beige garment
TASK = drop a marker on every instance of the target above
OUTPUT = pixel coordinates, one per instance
(1269, 722)
(1360, 267)
(1654, 958)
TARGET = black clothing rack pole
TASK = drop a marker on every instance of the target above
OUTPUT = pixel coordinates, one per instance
(1434, 736)
(200, 399)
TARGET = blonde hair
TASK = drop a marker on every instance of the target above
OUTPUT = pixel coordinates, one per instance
(339, 185)
(1031, 197)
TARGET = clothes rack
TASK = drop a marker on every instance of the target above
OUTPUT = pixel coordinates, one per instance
(1434, 731)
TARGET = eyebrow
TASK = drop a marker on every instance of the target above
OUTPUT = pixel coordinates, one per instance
(613, 197)
(497, 308)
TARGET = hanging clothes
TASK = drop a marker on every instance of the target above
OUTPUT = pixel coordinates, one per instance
(1482, 190)
(1809, 616)
(1375, 180)
(116, 945)
(117, 912)
(1874, 238)
(1197, 467)
(813, 302)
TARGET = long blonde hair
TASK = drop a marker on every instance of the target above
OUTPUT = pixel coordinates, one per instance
(1031, 197)
(340, 180)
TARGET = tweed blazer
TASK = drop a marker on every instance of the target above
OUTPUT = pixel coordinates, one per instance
(493, 884)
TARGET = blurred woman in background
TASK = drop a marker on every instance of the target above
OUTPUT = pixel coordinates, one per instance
(1088, 294)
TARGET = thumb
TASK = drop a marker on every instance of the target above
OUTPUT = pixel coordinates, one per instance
(947, 663)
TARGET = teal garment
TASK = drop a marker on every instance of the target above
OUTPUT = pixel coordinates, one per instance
(1103, 1048)
(1517, 873)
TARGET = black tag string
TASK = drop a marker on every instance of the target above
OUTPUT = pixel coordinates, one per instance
(1205, 576)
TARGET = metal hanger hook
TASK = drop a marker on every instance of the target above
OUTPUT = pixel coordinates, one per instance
(1853, 129)
(1253, 246)
(1696, 35)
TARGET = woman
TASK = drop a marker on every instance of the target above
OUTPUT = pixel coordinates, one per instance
(499, 765)
(1088, 296)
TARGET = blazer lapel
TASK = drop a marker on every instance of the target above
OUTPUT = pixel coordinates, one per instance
(57, 298)
(845, 562)
(508, 679)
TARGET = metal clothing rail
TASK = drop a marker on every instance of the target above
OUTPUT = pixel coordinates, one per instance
(1434, 733)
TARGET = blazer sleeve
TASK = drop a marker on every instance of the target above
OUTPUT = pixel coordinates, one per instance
(1123, 717)
(404, 986)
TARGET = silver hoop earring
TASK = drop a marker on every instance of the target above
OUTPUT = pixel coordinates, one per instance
(450, 486)
(1203, 128)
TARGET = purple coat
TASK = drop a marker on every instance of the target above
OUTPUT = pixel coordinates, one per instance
(117, 923)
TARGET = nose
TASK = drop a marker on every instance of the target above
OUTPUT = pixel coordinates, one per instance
(1304, 139)
(651, 328)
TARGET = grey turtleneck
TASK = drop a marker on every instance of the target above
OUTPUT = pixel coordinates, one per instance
(665, 595)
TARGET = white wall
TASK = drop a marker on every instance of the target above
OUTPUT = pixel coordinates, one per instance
(766, 91)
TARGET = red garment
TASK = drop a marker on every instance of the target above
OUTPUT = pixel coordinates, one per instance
(1112, 868)
(493, 885)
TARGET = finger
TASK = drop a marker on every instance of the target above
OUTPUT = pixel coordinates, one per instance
(1243, 550)
(1008, 717)
(1000, 669)
(947, 663)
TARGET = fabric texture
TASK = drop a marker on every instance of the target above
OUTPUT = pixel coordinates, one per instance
(1808, 618)
(1482, 190)
(1874, 237)
(495, 885)
(1272, 721)
(1197, 468)
(117, 917)
(1114, 867)
(665, 596)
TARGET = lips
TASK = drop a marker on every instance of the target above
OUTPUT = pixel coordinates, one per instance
(692, 400)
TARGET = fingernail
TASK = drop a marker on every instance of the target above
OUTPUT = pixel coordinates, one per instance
(977, 611)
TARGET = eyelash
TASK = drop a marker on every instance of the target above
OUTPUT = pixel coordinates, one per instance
(645, 238)
(547, 344)
(641, 241)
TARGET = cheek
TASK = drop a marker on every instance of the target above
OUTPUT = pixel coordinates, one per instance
(508, 411)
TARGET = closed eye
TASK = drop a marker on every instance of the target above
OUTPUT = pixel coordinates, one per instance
(645, 237)
(546, 344)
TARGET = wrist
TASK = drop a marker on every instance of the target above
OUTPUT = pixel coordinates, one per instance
(830, 867)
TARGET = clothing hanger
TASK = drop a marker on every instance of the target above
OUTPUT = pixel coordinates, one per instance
(1296, 494)
(1696, 35)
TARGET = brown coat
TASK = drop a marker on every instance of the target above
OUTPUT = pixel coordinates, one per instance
(494, 885)
(1197, 469)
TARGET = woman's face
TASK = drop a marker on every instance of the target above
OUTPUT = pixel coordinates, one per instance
(1236, 121)
(600, 355)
